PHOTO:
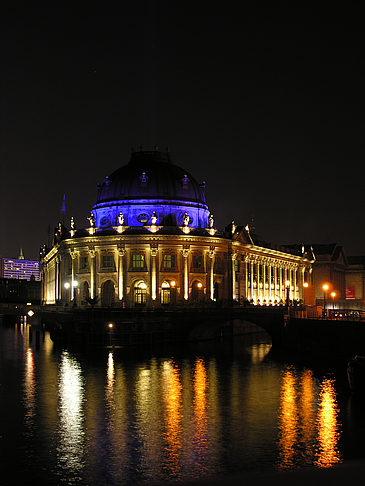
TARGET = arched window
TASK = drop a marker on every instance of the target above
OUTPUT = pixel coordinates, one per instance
(107, 293)
(140, 293)
(165, 293)
(85, 293)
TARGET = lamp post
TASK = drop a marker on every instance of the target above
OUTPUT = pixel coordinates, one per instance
(287, 286)
(74, 291)
(325, 288)
(67, 287)
(333, 295)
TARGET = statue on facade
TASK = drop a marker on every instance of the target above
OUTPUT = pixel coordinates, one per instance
(154, 218)
(91, 219)
(72, 223)
(211, 220)
(233, 227)
(120, 219)
(186, 219)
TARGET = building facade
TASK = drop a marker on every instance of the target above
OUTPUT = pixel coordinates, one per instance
(344, 275)
(20, 268)
(152, 241)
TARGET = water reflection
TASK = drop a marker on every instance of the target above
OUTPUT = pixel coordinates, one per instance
(172, 389)
(328, 426)
(71, 415)
(148, 420)
(307, 435)
(200, 385)
(109, 391)
(288, 420)
(119, 420)
(29, 386)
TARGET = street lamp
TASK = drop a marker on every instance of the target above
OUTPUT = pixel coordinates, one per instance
(333, 295)
(287, 285)
(325, 288)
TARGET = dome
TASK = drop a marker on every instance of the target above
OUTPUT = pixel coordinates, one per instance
(150, 175)
(150, 184)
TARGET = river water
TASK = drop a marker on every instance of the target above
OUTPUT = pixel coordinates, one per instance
(115, 417)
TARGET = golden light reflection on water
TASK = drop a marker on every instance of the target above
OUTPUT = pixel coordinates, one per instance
(71, 415)
(328, 426)
(149, 418)
(200, 385)
(172, 390)
(288, 420)
(259, 351)
(29, 385)
(109, 390)
(308, 434)
(307, 413)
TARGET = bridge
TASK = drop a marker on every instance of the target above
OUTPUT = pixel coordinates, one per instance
(342, 337)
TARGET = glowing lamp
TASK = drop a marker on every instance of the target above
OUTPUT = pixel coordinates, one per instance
(172, 283)
(306, 284)
(110, 325)
(333, 295)
(67, 285)
(200, 285)
(75, 283)
(325, 287)
(30, 313)
(287, 283)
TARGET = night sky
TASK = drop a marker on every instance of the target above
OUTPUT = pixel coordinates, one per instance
(266, 105)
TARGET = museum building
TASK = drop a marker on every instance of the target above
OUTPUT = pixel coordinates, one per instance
(151, 240)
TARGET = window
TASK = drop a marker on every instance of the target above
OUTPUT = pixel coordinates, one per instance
(107, 261)
(198, 263)
(138, 261)
(168, 262)
(140, 293)
(84, 263)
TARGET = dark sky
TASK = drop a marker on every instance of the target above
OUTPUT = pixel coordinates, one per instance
(266, 105)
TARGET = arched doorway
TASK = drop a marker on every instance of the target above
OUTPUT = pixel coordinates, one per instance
(165, 293)
(107, 293)
(140, 293)
(197, 291)
(85, 293)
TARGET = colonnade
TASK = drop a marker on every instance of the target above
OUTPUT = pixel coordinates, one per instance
(257, 278)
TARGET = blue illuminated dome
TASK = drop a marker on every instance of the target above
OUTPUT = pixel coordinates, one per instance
(150, 185)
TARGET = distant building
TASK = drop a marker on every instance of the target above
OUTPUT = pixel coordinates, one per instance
(344, 275)
(152, 241)
(20, 291)
(19, 268)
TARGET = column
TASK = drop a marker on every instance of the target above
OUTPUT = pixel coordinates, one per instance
(246, 279)
(211, 273)
(269, 280)
(252, 270)
(281, 282)
(295, 296)
(92, 255)
(275, 297)
(73, 280)
(234, 256)
(56, 280)
(121, 253)
(185, 254)
(153, 251)
(258, 282)
(264, 293)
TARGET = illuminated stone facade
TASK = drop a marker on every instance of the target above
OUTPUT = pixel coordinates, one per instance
(152, 241)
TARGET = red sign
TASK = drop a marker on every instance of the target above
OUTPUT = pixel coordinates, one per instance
(350, 292)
